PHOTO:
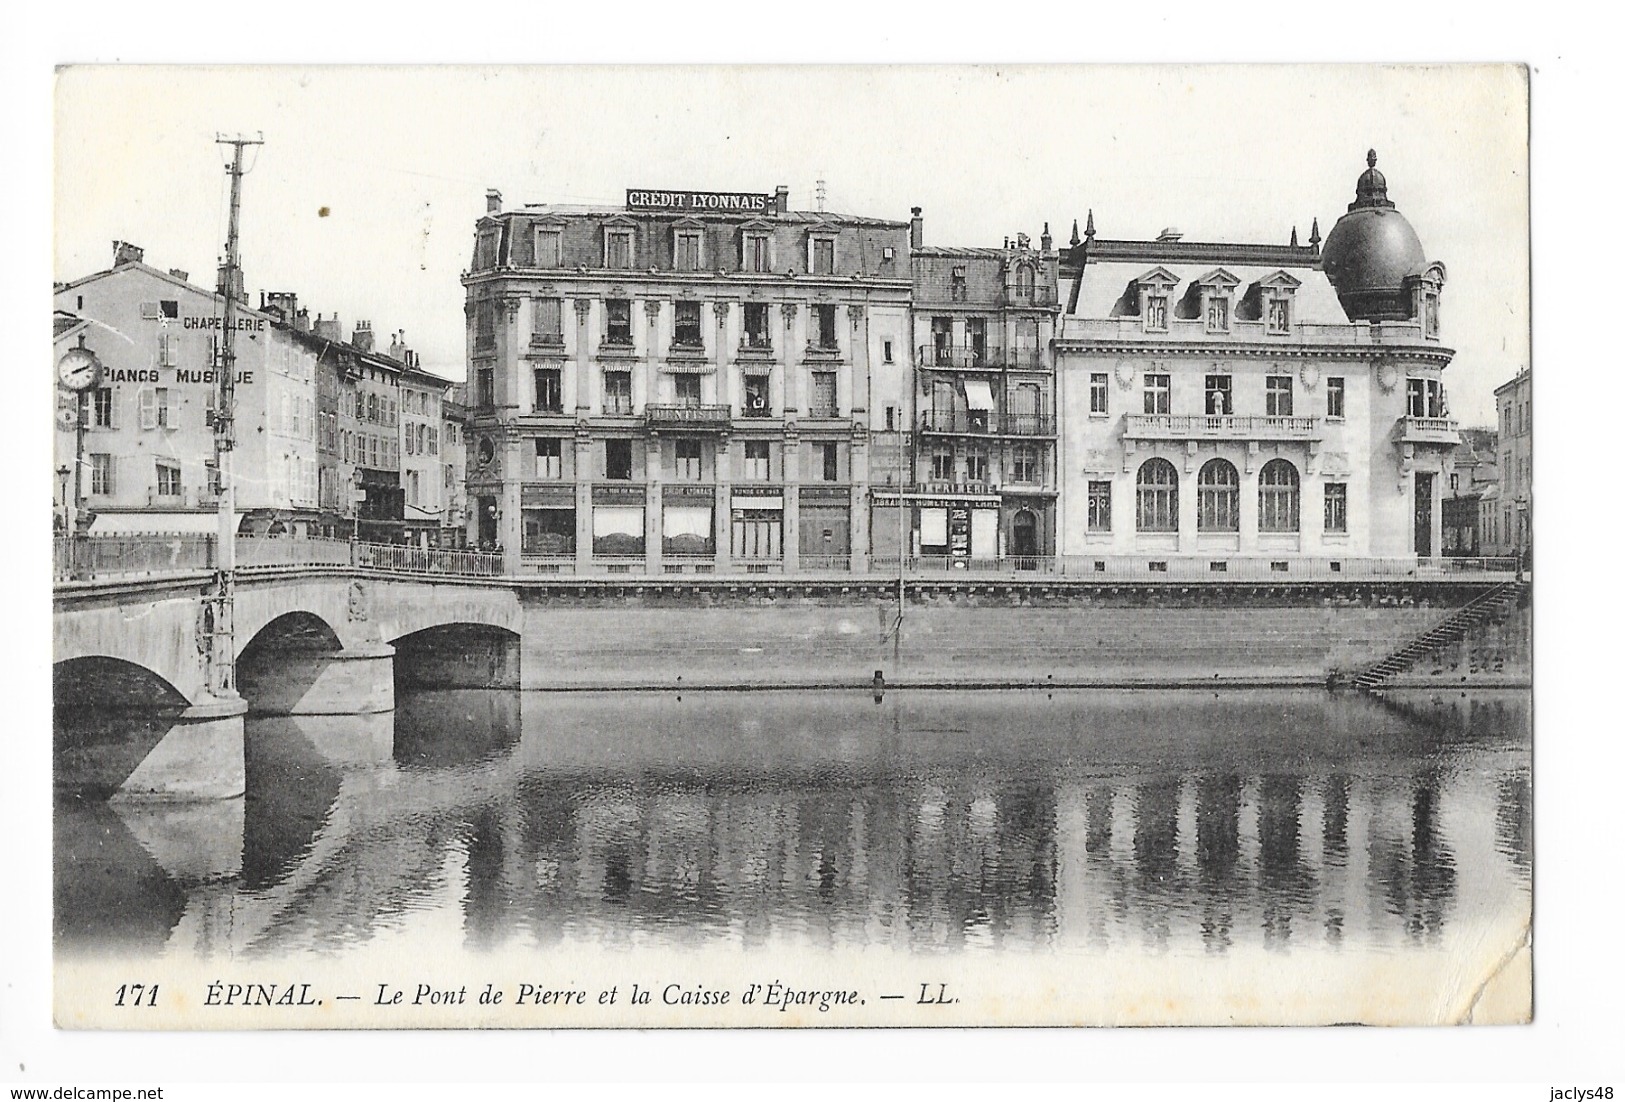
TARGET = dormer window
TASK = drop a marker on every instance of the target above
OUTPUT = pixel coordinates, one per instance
(617, 246)
(756, 250)
(821, 253)
(687, 255)
(549, 246)
(486, 243)
(1025, 281)
(1216, 289)
(1156, 312)
(1155, 289)
(1276, 292)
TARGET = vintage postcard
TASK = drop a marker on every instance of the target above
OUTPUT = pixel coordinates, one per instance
(781, 547)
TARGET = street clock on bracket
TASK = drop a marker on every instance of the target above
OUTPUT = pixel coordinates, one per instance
(79, 369)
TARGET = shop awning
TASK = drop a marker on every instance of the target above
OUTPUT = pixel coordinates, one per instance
(617, 520)
(148, 522)
(978, 395)
(686, 520)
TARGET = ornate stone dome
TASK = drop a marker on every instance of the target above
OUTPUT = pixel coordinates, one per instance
(1371, 251)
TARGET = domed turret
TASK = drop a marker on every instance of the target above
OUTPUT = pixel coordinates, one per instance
(1371, 252)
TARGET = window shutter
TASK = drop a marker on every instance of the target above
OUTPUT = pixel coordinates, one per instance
(148, 408)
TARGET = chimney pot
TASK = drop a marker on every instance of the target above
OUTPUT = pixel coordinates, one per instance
(916, 229)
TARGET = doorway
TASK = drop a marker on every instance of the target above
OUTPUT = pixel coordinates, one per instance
(488, 522)
(1424, 516)
(1024, 537)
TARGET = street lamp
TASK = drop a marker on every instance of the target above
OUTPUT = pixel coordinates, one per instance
(63, 473)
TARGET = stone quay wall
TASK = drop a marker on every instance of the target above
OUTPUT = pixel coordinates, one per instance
(725, 635)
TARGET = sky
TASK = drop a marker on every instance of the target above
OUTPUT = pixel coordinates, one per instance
(363, 198)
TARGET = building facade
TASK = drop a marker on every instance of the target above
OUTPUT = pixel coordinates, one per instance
(1255, 400)
(454, 461)
(984, 451)
(148, 462)
(422, 422)
(1515, 418)
(1476, 468)
(688, 383)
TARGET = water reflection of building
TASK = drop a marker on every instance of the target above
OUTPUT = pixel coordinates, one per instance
(1277, 859)
(925, 867)
(1248, 843)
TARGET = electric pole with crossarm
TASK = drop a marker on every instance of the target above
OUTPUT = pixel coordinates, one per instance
(218, 607)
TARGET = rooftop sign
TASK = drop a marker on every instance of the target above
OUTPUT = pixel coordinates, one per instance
(743, 202)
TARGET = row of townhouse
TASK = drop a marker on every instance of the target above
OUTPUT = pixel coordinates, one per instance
(707, 382)
(334, 437)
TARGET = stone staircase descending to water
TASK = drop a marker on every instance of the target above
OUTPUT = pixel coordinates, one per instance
(1486, 607)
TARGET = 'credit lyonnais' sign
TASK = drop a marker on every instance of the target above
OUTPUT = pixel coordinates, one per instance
(742, 202)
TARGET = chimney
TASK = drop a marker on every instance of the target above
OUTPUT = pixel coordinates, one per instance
(301, 320)
(179, 274)
(362, 337)
(1169, 235)
(781, 199)
(493, 201)
(126, 253)
(281, 303)
(329, 329)
(916, 229)
(397, 346)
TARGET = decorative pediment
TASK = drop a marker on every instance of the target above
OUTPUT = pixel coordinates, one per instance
(688, 222)
(619, 220)
(1280, 281)
(756, 224)
(1157, 277)
(1434, 273)
(548, 222)
(1218, 278)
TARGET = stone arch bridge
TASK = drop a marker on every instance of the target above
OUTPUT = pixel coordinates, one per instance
(309, 641)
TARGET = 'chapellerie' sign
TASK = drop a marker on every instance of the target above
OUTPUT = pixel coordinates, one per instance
(737, 201)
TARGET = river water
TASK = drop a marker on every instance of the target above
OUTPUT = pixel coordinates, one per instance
(930, 822)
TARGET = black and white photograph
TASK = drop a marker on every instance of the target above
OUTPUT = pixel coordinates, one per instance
(613, 547)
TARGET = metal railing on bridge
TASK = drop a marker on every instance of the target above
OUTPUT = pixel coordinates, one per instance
(119, 557)
(89, 558)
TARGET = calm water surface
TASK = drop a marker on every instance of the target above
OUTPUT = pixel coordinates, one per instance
(928, 821)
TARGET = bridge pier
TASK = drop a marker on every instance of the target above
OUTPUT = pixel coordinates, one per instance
(358, 680)
(199, 758)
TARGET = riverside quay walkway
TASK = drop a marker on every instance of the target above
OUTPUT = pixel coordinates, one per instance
(327, 627)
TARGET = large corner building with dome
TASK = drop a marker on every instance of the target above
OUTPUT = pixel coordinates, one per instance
(1283, 401)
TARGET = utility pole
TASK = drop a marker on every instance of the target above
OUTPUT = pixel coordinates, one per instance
(218, 606)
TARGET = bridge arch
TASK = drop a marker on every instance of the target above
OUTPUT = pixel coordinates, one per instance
(107, 715)
(460, 654)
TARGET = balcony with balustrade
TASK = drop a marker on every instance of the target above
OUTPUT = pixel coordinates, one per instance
(1225, 426)
(975, 422)
(1440, 431)
(956, 357)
